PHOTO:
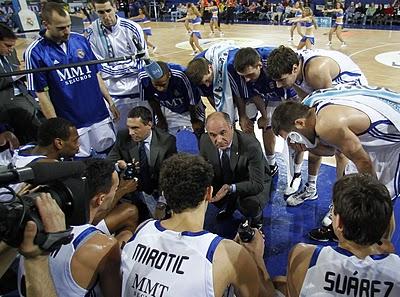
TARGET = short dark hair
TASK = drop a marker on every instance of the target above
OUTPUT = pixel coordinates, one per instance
(52, 129)
(280, 61)
(222, 114)
(141, 112)
(246, 57)
(49, 7)
(98, 173)
(6, 33)
(364, 206)
(102, 2)
(285, 115)
(196, 69)
(184, 180)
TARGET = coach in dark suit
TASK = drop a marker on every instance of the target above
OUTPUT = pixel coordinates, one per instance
(147, 147)
(17, 107)
(240, 179)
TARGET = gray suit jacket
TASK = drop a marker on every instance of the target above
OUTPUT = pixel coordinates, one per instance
(6, 83)
(162, 146)
(247, 163)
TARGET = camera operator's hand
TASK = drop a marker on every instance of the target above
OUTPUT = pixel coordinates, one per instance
(53, 221)
(121, 164)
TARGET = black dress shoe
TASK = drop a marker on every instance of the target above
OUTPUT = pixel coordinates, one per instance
(323, 234)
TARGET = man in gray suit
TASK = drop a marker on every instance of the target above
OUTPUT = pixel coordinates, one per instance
(17, 107)
(240, 179)
(146, 147)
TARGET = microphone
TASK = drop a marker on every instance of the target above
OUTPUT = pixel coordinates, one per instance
(42, 172)
(151, 67)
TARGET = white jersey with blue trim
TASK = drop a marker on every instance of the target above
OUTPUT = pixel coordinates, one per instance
(21, 158)
(60, 265)
(161, 262)
(349, 72)
(382, 138)
(334, 271)
(120, 77)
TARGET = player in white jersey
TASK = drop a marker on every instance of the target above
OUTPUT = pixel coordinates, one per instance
(307, 71)
(111, 36)
(57, 139)
(358, 266)
(361, 122)
(92, 257)
(176, 257)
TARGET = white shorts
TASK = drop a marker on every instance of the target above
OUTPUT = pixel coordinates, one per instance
(176, 121)
(386, 162)
(252, 111)
(97, 137)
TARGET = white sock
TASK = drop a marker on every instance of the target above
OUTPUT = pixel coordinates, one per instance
(297, 167)
(271, 160)
(312, 180)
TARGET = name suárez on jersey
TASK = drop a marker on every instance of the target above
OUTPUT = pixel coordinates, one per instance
(354, 286)
(158, 259)
(74, 74)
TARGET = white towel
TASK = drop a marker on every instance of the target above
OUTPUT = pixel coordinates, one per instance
(217, 54)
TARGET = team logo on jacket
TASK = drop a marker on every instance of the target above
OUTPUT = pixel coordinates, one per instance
(80, 53)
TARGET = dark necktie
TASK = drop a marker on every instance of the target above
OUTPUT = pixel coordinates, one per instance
(144, 175)
(227, 174)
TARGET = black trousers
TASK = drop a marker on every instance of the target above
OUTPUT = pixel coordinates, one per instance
(249, 206)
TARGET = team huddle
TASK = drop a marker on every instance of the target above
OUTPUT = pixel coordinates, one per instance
(145, 236)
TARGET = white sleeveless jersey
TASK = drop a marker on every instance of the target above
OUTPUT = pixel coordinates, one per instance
(60, 265)
(159, 262)
(21, 159)
(381, 140)
(349, 72)
(334, 271)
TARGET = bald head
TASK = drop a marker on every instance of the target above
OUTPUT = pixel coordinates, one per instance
(219, 116)
(220, 130)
